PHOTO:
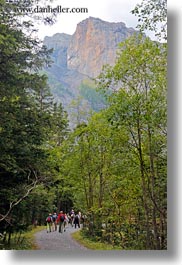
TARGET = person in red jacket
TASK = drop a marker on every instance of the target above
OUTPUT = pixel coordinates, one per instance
(60, 221)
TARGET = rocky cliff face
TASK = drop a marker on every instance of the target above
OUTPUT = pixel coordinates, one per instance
(59, 43)
(81, 56)
(94, 44)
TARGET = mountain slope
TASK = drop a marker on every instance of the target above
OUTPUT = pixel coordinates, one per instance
(81, 56)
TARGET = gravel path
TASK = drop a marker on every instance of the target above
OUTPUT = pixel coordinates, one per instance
(58, 241)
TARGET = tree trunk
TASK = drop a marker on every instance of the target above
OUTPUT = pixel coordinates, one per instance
(101, 189)
(144, 189)
(90, 191)
(152, 176)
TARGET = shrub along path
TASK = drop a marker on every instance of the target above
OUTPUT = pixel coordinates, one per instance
(58, 241)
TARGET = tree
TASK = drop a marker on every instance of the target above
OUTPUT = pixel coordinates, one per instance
(80, 111)
(89, 93)
(152, 15)
(137, 104)
(22, 120)
(59, 125)
(114, 166)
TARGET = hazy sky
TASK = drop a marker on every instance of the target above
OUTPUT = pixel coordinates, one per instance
(108, 10)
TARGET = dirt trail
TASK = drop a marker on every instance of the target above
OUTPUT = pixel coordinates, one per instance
(58, 241)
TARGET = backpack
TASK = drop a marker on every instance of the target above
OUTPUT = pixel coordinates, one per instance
(48, 219)
(62, 218)
(54, 217)
(77, 218)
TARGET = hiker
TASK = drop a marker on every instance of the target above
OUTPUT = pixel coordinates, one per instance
(72, 215)
(77, 220)
(69, 218)
(60, 220)
(66, 221)
(54, 219)
(49, 222)
(80, 216)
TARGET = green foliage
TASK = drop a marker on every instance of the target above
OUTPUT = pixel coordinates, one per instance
(140, 72)
(112, 167)
(23, 240)
(115, 165)
(152, 15)
(88, 91)
(57, 89)
(92, 244)
(29, 122)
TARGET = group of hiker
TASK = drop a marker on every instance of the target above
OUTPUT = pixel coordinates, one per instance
(62, 220)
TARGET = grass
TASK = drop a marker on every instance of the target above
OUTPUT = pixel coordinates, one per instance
(30, 237)
(91, 244)
(25, 241)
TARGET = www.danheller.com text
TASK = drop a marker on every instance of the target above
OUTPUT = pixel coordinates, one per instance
(25, 8)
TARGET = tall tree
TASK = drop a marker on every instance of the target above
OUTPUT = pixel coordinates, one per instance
(21, 120)
(140, 72)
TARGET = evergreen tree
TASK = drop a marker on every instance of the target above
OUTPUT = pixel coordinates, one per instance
(26, 112)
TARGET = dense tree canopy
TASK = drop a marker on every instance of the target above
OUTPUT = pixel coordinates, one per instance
(116, 163)
(28, 115)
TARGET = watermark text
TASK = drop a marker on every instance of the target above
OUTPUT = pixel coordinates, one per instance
(45, 9)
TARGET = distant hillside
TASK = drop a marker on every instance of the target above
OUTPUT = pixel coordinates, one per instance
(80, 57)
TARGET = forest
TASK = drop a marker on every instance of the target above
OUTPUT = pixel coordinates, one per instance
(111, 167)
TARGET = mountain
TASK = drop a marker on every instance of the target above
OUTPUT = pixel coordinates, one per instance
(94, 43)
(80, 57)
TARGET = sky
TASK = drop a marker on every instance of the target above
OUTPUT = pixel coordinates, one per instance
(108, 10)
